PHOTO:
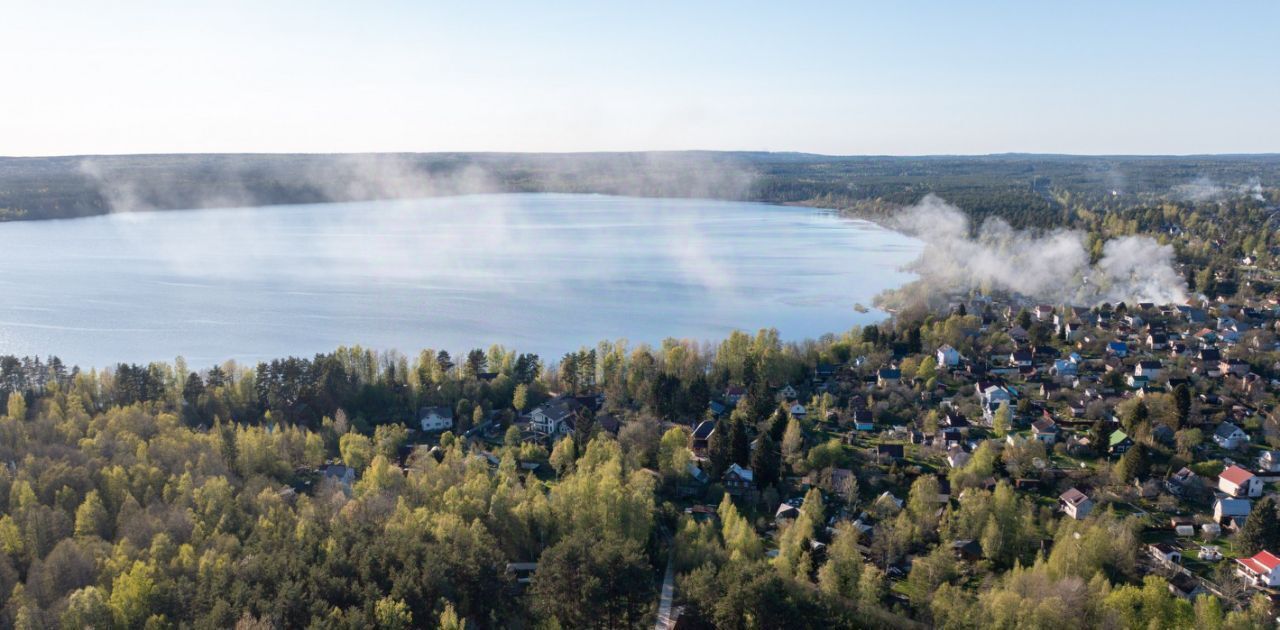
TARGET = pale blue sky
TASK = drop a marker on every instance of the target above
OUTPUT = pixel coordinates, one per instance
(839, 77)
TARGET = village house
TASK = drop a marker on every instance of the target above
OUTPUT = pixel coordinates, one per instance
(888, 376)
(1186, 586)
(1234, 367)
(701, 437)
(738, 480)
(787, 393)
(734, 393)
(953, 419)
(555, 417)
(1073, 331)
(1269, 461)
(1230, 436)
(863, 420)
(889, 452)
(1263, 569)
(1075, 504)
(1064, 368)
(823, 371)
(1238, 482)
(1119, 443)
(1021, 358)
(1045, 430)
(1150, 369)
(1181, 483)
(1165, 554)
(433, 419)
(786, 512)
(967, 550)
(948, 356)
(1231, 512)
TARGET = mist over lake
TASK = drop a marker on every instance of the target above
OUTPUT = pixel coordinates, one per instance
(539, 273)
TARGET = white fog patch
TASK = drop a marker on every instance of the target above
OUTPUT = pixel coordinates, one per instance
(1052, 266)
(1203, 189)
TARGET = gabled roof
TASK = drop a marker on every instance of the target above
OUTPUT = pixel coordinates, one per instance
(1225, 430)
(1263, 562)
(704, 430)
(561, 408)
(1073, 497)
(1236, 475)
(1044, 425)
(443, 412)
(742, 473)
(1118, 437)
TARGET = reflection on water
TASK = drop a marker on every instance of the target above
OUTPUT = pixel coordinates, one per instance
(542, 273)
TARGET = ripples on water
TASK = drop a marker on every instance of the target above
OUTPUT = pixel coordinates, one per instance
(541, 273)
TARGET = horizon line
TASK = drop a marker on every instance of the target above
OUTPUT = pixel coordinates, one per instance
(653, 151)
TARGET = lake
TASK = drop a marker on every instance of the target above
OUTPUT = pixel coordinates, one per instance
(539, 273)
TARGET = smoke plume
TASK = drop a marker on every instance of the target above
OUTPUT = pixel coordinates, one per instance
(1203, 189)
(1052, 267)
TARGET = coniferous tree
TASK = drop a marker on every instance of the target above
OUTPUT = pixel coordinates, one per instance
(718, 450)
(739, 443)
(1261, 530)
(1182, 401)
(766, 461)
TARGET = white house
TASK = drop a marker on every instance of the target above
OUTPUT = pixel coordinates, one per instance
(1234, 509)
(1262, 569)
(957, 457)
(1149, 369)
(1269, 461)
(1238, 482)
(555, 417)
(787, 392)
(948, 356)
(1075, 504)
(1228, 435)
(1045, 430)
(433, 419)
(797, 411)
(1165, 553)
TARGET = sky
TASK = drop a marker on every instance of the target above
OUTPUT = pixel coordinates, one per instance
(846, 78)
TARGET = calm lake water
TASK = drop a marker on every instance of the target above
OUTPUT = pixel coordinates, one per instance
(539, 273)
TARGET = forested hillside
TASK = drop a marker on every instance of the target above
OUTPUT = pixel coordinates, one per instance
(1024, 189)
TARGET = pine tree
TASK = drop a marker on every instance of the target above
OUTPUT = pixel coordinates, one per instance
(1132, 464)
(718, 449)
(739, 443)
(766, 462)
(1261, 530)
(1182, 400)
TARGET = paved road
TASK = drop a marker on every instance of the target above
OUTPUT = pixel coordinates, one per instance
(665, 622)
